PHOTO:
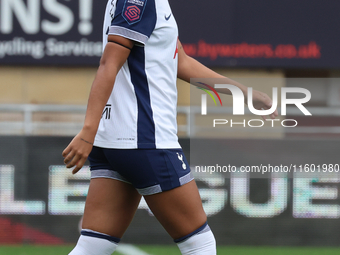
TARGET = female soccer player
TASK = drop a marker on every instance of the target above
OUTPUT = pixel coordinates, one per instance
(133, 147)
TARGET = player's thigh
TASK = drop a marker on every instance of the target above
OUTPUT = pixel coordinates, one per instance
(179, 210)
(110, 206)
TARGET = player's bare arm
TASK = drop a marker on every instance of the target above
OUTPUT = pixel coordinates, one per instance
(190, 68)
(115, 54)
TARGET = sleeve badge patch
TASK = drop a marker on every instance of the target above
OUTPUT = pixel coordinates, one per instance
(133, 10)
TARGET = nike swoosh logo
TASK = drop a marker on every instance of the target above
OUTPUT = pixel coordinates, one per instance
(167, 18)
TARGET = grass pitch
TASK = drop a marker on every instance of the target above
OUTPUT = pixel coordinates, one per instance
(173, 250)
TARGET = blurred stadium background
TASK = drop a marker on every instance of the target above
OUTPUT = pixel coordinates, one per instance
(49, 53)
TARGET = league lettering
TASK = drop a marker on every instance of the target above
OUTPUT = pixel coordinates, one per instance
(216, 199)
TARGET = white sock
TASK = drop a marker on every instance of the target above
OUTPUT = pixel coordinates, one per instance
(91, 245)
(199, 244)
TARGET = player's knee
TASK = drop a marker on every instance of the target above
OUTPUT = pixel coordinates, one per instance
(199, 242)
(95, 243)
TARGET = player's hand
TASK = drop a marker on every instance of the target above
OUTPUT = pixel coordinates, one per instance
(261, 101)
(77, 151)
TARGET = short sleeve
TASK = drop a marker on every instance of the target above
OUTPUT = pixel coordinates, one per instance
(134, 19)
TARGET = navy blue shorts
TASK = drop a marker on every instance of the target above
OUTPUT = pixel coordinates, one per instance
(150, 171)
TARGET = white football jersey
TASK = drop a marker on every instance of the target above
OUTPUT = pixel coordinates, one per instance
(141, 111)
